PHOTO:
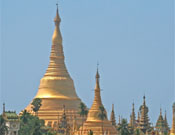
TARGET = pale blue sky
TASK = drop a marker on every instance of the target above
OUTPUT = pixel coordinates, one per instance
(132, 40)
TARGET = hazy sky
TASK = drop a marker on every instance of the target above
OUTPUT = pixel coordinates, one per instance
(132, 40)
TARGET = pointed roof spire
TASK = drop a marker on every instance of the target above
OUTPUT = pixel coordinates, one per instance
(166, 122)
(160, 111)
(57, 67)
(57, 19)
(144, 102)
(133, 109)
(132, 117)
(97, 74)
(97, 103)
(173, 122)
(112, 118)
(160, 122)
(97, 87)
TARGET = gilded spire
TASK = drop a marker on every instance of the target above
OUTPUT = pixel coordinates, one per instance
(57, 38)
(173, 122)
(97, 120)
(132, 117)
(94, 110)
(97, 99)
(57, 66)
(112, 119)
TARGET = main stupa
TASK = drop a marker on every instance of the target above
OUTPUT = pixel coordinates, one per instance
(56, 88)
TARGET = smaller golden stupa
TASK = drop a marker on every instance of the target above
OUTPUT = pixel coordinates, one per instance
(173, 123)
(93, 122)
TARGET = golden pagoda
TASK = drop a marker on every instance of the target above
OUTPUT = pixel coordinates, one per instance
(173, 122)
(144, 124)
(132, 122)
(93, 122)
(57, 87)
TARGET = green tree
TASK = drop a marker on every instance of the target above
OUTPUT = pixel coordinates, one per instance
(102, 115)
(24, 117)
(123, 127)
(83, 112)
(30, 125)
(36, 104)
(3, 127)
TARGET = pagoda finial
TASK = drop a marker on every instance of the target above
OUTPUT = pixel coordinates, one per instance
(144, 98)
(57, 5)
(57, 67)
(133, 106)
(57, 18)
(160, 111)
(112, 119)
(97, 74)
(97, 80)
(57, 38)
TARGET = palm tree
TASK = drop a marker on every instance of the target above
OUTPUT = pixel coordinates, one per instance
(36, 104)
(102, 115)
(123, 127)
(25, 116)
(83, 112)
(3, 127)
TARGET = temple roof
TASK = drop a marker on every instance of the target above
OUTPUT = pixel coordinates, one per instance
(160, 122)
(11, 116)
